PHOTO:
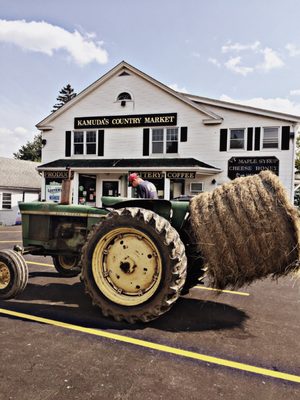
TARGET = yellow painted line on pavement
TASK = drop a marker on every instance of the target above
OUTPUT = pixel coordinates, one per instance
(223, 291)
(158, 347)
(10, 241)
(39, 263)
(10, 231)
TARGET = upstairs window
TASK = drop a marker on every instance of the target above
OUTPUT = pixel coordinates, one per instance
(85, 142)
(91, 142)
(164, 140)
(237, 139)
(270, 138)
(78, 142)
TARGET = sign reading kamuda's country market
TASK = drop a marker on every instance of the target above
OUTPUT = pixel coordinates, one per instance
(126, 121)
(244, 166)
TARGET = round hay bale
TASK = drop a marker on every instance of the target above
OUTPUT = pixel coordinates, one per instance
(246, 230)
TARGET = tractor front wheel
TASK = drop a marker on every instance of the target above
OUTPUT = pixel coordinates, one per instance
(67, 266)
(13, 274)
(134, 265)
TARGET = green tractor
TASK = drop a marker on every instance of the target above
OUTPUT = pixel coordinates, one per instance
(131, 254)
(136, 257)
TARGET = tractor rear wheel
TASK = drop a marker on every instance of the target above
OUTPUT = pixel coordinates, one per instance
(67, 266)
(133, 265)
(13, 274)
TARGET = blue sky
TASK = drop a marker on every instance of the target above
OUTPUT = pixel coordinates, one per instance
(235, 50)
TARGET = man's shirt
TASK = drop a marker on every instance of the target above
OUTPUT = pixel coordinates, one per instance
(146, 190)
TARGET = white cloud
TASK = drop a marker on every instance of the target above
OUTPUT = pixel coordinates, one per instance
(196, 54)
(175, 86)
(238, 47)
(295, 92)
(215, 62)
(274, 104)
(293, 50)
(234, 65)
(45, 38)
(12, 139)
(263, 59)
(271, 60)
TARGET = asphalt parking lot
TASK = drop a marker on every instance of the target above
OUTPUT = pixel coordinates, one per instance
(235, 345)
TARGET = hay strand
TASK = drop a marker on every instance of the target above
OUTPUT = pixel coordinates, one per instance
(246, 230)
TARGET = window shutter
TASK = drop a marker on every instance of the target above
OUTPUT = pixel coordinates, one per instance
(68, 144)
(183, 134)
(146, 137)
(223, 139)
(285, 138)
(101, 142)
(257, 139)
(250, 139)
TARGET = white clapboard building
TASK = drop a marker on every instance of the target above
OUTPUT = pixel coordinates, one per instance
(19, 181)
(127, 122)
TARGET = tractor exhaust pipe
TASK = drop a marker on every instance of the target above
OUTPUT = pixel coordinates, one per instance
(66, 189)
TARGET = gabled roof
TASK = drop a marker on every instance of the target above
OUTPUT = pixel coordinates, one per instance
(19, 174)
(243, 108)
(118, 69)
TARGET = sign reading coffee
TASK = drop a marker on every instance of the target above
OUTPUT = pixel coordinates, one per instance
(169, 175)
(243, 166)
(126, 121)
(180, 175)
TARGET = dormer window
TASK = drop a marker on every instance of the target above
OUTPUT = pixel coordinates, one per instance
(124, 96)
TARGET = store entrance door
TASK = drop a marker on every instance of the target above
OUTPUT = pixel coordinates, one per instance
(87, 189)
(110, 188)
(176, 188)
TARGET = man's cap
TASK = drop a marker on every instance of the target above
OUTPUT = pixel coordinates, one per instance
(132, 177)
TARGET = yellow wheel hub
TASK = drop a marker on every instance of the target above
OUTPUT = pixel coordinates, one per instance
(4, 276)
(126, 266)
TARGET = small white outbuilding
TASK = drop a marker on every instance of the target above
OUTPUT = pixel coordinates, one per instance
(19, 181)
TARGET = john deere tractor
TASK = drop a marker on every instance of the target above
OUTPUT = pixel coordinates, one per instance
(132, 255)
(135, 257)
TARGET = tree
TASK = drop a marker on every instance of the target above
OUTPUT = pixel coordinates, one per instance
(31, 151)
(66, 94)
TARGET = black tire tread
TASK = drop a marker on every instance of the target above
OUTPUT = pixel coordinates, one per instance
(171, 239)
(19, 271)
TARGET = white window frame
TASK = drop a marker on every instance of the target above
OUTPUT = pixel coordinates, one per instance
(164, 140)
(263, 137)
(2, 200)
(84, 142)
(195, 191)
(245, 139)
